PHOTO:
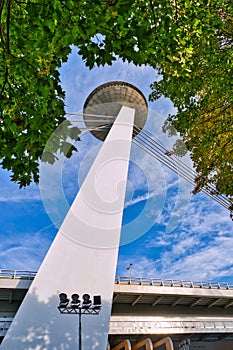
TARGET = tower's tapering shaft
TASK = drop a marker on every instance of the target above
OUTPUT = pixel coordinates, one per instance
(82, 259)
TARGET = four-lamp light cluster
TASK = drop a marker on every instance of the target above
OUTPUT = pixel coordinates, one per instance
(76, 306)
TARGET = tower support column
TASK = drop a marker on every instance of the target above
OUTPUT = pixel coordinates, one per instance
(83, 257)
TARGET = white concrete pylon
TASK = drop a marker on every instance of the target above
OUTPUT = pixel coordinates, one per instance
(82, 258)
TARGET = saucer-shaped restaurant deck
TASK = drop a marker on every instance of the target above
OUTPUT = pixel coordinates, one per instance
(106, 101)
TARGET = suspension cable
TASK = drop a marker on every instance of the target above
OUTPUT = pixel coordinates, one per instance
(156, 149)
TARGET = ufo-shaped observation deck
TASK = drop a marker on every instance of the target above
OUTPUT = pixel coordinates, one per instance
(104, 103)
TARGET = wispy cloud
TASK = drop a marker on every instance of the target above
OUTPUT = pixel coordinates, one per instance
(24, 251)
(17, 197)
(78, 81)
(10, 192)
(140, 199)
(199, 249)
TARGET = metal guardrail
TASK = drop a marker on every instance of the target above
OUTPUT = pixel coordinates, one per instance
(5, 323)
(29, 275)
(17, 274)
(148, 326)
(220, 326)
(172, 283)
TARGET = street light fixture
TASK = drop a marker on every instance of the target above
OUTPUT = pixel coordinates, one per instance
(75, 306)
(130, 271)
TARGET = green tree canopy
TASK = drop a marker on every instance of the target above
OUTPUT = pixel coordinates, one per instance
(188, 41)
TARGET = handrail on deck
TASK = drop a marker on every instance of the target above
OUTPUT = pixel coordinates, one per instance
(17, 274)
(30, 275)
(172, 283)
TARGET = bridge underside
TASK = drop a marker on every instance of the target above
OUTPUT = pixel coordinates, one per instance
(201, 314)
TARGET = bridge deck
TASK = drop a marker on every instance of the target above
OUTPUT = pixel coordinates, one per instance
(152, 308)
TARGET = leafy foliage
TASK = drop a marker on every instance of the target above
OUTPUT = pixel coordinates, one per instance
(188, 41)
(31, 98)
(204, 103)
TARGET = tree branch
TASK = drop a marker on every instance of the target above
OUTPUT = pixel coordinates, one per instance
(1, 26)
(8, 26)
(5, 82)
(1, 7)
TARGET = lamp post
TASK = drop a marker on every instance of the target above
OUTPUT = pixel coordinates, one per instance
(130, 271)
(75, 306)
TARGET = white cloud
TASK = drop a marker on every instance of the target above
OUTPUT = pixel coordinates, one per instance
(199, 249)
(78, 81)
(141, 267)
(24, 251)
(10, 192)
(17, 197)
(139, 199)
(207, 263)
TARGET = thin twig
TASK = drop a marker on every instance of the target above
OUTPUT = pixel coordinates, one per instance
(8, 26)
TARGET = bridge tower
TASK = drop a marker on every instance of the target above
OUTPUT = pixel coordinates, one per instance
(83, 256)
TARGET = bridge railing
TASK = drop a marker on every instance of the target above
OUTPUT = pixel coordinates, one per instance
(30, 275)
(172, 283)
(17, 274)
(170, 326)
(5, 325)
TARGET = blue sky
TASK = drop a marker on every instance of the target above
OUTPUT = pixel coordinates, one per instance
(167, 232)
